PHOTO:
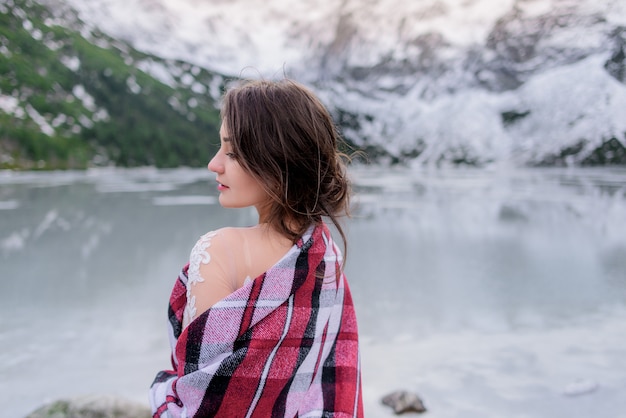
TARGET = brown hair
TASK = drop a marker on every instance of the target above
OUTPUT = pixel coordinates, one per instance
(283, 135)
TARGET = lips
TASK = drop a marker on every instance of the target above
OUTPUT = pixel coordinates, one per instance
(221, 186)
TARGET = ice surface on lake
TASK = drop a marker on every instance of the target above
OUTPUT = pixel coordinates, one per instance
(491, 293)
(183, 200)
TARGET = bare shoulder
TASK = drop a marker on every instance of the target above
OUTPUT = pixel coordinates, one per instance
(227, 237)
(212, 239)
(241, 240)
(233, 234)
(243, 251)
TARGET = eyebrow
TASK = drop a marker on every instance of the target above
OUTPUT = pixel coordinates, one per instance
(226, 139)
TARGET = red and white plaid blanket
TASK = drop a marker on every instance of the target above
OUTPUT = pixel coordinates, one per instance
(284, 345)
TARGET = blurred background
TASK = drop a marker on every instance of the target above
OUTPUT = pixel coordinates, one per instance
(487, 247)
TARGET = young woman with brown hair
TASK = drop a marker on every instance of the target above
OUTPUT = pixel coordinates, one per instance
(261, 319)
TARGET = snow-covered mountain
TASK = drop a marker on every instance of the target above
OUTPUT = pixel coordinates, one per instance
(430, 81)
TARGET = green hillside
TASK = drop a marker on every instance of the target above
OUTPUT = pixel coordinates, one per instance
(72, 98)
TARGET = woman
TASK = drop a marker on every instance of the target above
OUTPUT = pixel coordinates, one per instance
(261, 319)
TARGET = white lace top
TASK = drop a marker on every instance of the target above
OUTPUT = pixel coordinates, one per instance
(199, 255)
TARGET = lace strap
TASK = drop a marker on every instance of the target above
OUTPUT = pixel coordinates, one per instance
(199, 255)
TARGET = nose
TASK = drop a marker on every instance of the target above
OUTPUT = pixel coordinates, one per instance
(215, 165)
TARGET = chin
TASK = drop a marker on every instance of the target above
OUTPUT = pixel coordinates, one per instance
(222, 202)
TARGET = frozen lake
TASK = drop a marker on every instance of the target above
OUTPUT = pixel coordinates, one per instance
(491, 293)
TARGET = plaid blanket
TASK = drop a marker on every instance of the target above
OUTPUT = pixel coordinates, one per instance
(284, 345)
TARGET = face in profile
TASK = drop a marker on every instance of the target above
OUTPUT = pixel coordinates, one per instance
(238, 188)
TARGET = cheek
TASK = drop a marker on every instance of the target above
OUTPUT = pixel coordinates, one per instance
(256, 189)
(261, 194)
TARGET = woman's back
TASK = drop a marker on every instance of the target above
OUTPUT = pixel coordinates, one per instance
(223, 260)
(284, 345)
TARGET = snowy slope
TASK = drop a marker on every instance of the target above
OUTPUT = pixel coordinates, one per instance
(475, 81)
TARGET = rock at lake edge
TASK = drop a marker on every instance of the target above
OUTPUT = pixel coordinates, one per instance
(402, 402)
(93, 406)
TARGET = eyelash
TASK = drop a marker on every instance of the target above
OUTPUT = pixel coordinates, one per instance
(231, 155)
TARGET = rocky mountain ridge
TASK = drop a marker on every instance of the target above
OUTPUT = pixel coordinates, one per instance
(526, 82)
